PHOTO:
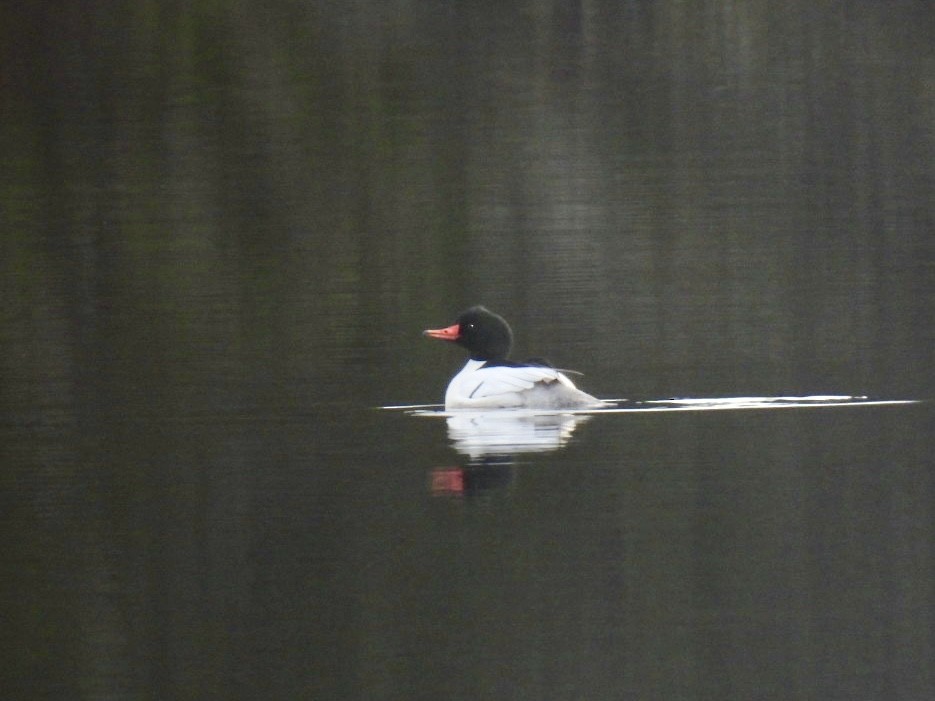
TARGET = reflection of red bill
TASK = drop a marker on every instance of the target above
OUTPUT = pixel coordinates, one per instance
(447, 481)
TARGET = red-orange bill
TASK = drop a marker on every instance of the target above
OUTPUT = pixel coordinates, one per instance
(451, 333)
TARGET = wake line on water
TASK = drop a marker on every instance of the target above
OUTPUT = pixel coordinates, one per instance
(751, 403)
(622, 406)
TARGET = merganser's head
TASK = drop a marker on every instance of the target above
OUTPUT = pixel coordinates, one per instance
(486, 335)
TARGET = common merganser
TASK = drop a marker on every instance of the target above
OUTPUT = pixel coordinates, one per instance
(490, 381)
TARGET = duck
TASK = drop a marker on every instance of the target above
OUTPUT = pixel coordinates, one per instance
(490, 380)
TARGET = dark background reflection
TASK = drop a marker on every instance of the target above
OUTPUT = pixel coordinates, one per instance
(224, 225)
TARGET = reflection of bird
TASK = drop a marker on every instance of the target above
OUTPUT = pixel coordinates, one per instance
(489, 380)
(480, 476)
(485, 433)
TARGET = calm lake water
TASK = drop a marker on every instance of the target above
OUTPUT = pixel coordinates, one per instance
(224, 226)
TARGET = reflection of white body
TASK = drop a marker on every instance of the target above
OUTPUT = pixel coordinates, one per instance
(479, 433)
(479, 386)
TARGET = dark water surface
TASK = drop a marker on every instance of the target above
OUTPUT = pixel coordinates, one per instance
(224, 225)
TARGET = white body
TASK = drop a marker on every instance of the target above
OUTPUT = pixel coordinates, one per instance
(502, 387)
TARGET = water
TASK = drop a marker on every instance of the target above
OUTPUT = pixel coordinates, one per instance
(224, 228)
